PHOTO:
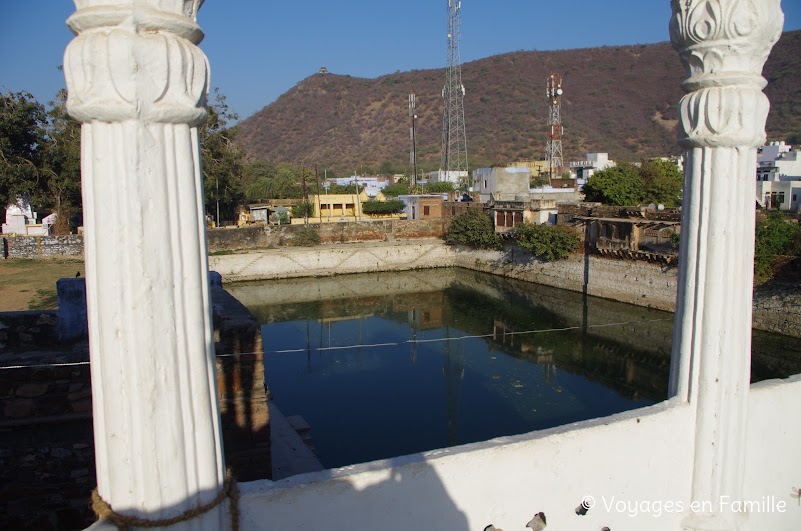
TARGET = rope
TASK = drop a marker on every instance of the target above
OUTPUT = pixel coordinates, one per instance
(373, 345)
(230, 490)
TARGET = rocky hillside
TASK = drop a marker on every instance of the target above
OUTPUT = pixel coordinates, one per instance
(618, 99)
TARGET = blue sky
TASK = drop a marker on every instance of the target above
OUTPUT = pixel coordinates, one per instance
(259, 49)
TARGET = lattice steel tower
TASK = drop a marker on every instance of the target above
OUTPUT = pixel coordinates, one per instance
(454, 138)
(553, 150)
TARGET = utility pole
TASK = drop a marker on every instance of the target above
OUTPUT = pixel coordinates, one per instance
(413, 157)
(305, 196)
(454, 137)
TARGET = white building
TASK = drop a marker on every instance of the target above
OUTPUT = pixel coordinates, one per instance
(371, 185)
(778, 177)
(454, 177)
(594, 162)
(22, 220)
(506, 183)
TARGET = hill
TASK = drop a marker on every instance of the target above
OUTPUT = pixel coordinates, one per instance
(618, 99)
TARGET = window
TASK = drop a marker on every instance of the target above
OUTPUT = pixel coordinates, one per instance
(485, 183)
(426, 210)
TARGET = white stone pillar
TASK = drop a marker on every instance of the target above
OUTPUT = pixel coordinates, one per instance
(138, 82)
(724, 45)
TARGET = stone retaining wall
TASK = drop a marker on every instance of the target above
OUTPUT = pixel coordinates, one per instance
(47, 467)
(634, 282)
(42, 246)
(250, 237)
(270, 236)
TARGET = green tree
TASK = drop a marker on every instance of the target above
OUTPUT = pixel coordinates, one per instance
(474, 228)
(61, 163)
(344, 188)
(387, 168)
(223, 160)
(550, 242)
(258, 177)
(22, 132)
(662, 182)
(619, 185)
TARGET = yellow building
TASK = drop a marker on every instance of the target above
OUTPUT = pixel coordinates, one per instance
(335, 208)
(538, 168)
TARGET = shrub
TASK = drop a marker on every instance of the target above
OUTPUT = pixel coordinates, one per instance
(305, 236)
(392, 206)
(774, 236)
(474, 228)
(551, 242)
(303, 210)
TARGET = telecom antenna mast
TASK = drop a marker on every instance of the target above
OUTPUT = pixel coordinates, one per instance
(454, 138)
(553, 151)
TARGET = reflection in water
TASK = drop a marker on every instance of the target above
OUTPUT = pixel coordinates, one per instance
(382, 365)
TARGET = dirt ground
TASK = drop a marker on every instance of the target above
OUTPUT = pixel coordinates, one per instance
(31, 284)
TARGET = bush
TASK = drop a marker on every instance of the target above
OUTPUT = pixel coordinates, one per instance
(392, 206)
(551, 242)
(303, 210)
(774, 236)
(474, 228)
(305, 236)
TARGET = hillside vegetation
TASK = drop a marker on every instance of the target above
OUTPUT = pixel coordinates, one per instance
(618, 99)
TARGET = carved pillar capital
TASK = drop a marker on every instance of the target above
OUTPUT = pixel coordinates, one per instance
(136, 60)
(724, 45)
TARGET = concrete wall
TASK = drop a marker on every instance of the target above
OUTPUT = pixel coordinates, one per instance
(638, 283)
(633, 282)
(332, 260)
(503, 482)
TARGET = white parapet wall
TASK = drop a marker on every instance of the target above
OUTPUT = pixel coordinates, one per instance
(633, 469)
(773, 455)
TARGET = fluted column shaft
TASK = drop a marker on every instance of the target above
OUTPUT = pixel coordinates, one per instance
(723, 44)
(138, 83)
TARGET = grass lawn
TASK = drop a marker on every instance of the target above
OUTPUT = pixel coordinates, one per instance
(31, 284)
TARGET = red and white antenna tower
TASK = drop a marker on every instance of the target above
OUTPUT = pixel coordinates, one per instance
(553, 151)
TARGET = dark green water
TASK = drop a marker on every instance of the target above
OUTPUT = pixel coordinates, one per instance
(382, 365)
